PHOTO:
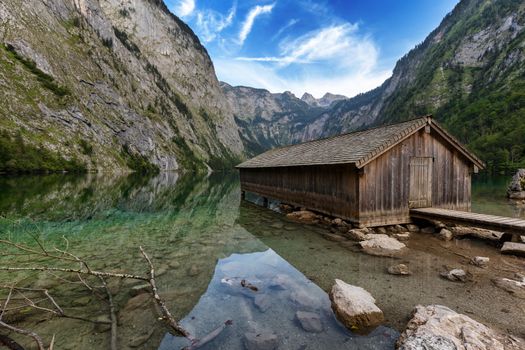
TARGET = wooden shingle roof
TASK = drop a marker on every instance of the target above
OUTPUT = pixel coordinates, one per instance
(357, 147)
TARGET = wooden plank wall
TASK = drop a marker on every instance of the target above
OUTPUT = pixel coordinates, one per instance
(330, 189)
(384, 184)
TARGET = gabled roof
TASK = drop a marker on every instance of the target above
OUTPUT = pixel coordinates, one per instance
(358, 148)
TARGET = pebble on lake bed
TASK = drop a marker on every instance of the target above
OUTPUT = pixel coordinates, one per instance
(455, 275)
(310, 321)
(399, 269)
(480, 261)
(260, 341)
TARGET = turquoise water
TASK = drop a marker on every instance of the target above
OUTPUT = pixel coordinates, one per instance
(193, 230)
(203, 242)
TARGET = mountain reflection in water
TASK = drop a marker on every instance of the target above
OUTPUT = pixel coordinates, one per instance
(281, 292)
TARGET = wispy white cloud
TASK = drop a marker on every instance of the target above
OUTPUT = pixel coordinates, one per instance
(339, 44)
(337, 59)
(260, 75)
(183, 8)
(211, 23)
(288, 25)
(247, 25)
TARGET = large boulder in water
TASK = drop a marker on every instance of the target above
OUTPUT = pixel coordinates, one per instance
(516, 188)
(382, 245)
(436, 327)
(354, 306)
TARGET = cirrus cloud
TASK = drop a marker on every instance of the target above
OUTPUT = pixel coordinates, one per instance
(255, 12)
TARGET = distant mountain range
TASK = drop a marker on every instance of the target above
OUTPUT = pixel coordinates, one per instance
(469, 73)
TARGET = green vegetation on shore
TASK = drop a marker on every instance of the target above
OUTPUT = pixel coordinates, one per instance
(17, 156)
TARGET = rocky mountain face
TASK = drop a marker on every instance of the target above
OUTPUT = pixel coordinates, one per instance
(268, 120)
(469, 73)
(324, 101)
(108, 85)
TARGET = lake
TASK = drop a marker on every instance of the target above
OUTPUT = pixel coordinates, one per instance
(204, 242)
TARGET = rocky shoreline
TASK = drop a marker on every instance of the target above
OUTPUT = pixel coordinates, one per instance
(431, 326)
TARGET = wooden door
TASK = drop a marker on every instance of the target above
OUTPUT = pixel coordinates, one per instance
(420, 182)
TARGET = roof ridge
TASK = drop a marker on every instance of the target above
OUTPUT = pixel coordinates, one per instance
(347, 133)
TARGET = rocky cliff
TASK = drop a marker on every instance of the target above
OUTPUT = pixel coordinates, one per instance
(108, 85)
(268, 120)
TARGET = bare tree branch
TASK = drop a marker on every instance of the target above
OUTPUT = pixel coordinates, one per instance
(168, 317)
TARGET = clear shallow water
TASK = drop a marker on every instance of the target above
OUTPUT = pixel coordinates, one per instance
(198, 234)
(489, 196)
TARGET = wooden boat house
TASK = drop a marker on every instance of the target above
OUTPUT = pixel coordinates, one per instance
(371, 177)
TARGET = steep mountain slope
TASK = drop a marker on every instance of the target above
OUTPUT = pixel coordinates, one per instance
(469, 73)
(267, 120)
(108, 85)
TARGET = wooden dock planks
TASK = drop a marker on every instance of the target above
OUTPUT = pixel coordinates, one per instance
(492, 222)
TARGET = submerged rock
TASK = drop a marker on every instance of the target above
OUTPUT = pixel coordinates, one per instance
(357, 234)
(263, 302)
(412, 228)
(354, 306)
(455, 275)
(513, 248)
(428, 229)
(445, 235)
(303, 216)
(480, 261)
(333, 237)
(399, 269)
(382, 245)
(405, 236)
(438, 327)
(310, 321)
(260, 341)
(515, 287)
(139, 289)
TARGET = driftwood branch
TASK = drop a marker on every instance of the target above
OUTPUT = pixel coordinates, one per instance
(168, 317)
(81, 272)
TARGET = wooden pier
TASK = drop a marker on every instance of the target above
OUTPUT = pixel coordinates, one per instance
(491, 222)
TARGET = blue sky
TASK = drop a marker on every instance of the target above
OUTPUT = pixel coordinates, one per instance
(338, 46)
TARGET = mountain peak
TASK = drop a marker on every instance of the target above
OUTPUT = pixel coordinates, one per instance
(308, 98)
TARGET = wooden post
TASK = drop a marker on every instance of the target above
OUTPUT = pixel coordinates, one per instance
(243, 195)
(265, 202)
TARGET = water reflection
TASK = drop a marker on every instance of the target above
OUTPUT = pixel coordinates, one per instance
(489, 196)
(270, 311)
(197, 234)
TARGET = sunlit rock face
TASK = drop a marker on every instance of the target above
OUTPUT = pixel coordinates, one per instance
(136, 83)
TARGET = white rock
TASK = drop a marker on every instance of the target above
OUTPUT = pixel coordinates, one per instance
(445, 235)
(514, 287)
(354, 306)
(480, 261)
(436, 327)
(513, 248)
(455, 275)
(382, 245)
